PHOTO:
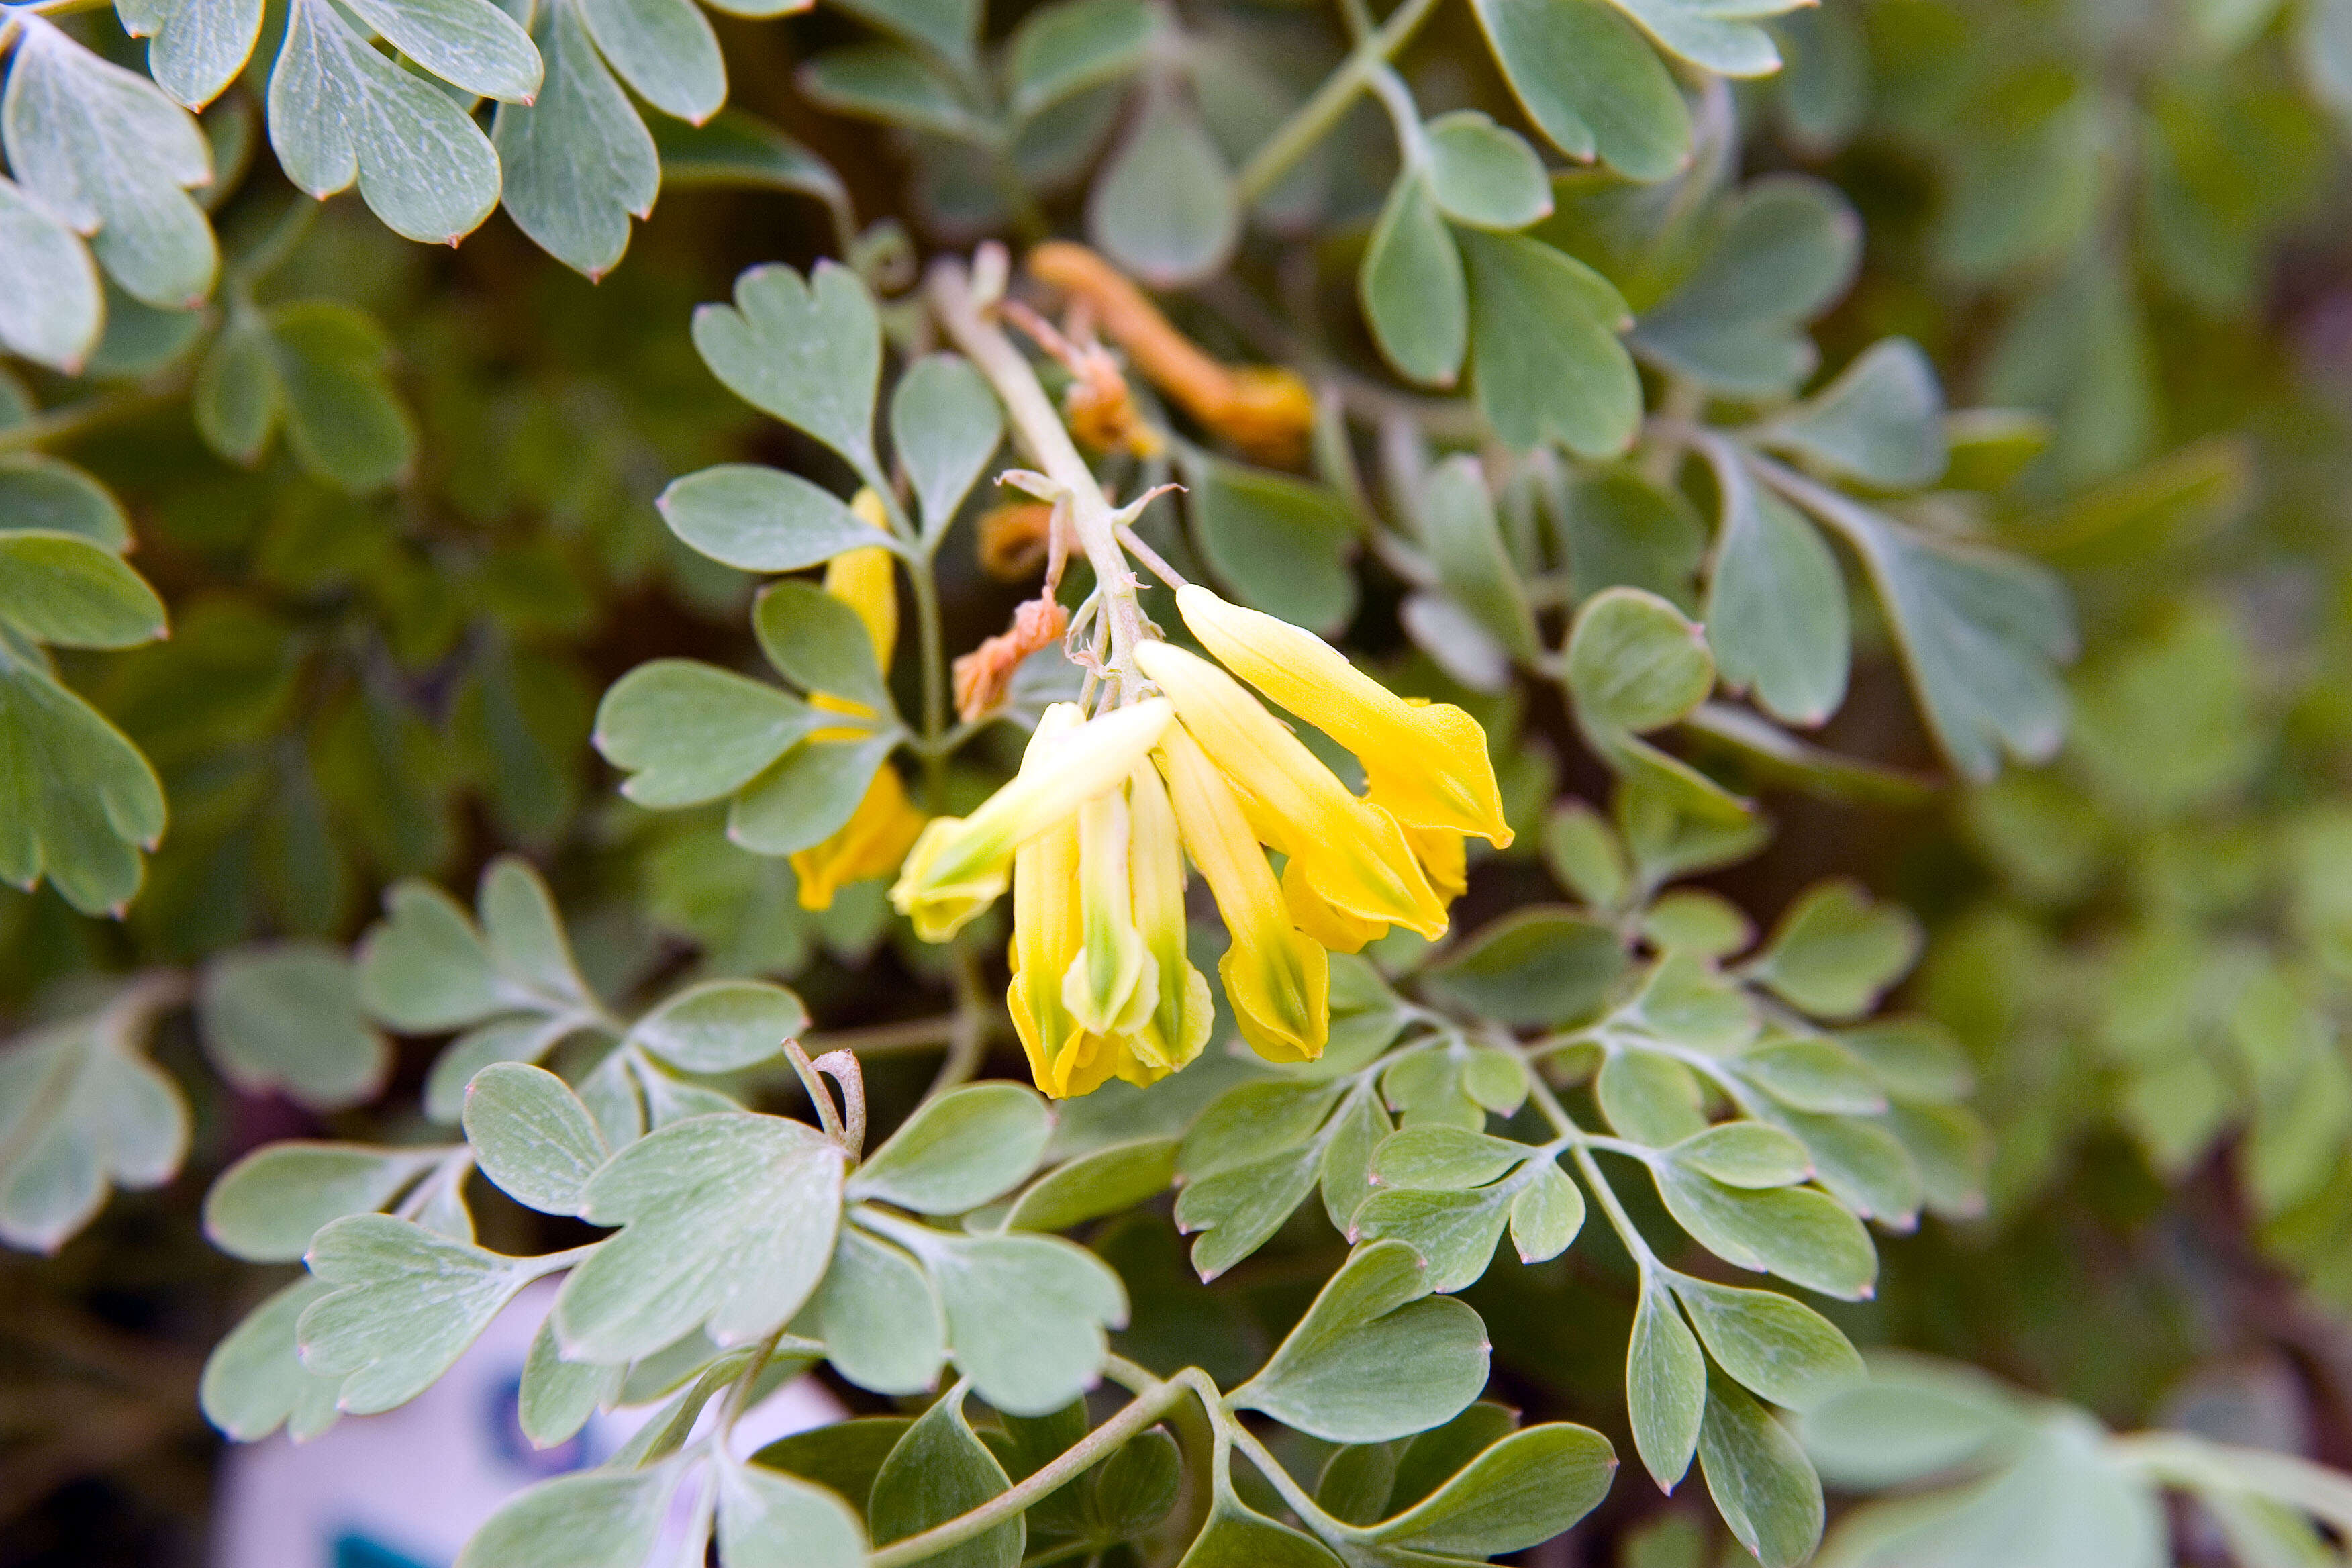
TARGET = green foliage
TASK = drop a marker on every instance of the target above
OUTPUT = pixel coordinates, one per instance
(1742, 414)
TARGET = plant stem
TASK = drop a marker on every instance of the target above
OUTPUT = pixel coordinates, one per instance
(1581, 1150)
(1082, 1455)
(966, 1042)
(1313, 119)
(931, 648)
(1037, 427)
(79, 419)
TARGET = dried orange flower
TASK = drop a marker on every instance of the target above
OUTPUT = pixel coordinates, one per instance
(1265, 410)
(982, 675)
(1013, 538)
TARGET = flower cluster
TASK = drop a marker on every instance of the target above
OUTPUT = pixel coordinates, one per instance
(1093, 831)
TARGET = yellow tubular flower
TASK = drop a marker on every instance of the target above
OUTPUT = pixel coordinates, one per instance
(1350, 852)
(960, 865)
(1425, 763)
(1278, 979)
(1181, 1010)
(875, 837)
(1112, 983)
(1045, 937)
(1443, 857)
(1313, 913)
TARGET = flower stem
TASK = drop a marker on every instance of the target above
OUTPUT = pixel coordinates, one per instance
(1037, 425)
(1313, 119)
(1082, 1455)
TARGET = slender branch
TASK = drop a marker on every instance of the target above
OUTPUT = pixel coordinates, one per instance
(1097, 1446)
(2179, 1459)
(1037, 425)
(1313, 119)
(931, 648)
(820, 1097)
(81, 418)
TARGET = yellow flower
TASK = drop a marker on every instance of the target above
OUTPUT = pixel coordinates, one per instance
(960, 865)
(1100, 984)
(1425, 764)
(1350, 854)
(1277, 978)
(875, 837)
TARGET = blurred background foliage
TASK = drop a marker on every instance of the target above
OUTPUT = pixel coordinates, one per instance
(392, 621)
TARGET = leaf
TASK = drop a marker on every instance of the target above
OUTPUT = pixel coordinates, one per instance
(1237, 1209)
(1650, 1098)
(532, 1137)
(1375, 1357)
(664, 49)
(1745, 1154)
(525, 935)
(1979, 633)
(1761, 1482)
(598, 1518)
(759, 519)
(937, 1470)
(43, 494)
(1438, 1158)
(948, 28)
(578, 161)
(690, 732)
(1813, 1075)
(404, 1305)
(721, 1026)
(85, 839)
(80, 1109)
(1025, 1313)
(1729, 45)
(1163, 207)
(266, 1207)
(1059, 51)
(1412, 285)
(1776, 605)
(254, 1382)
(819, 643)
(53, 311)
(810, 352)
(1787, 248)
(1665, 1387)
(728, 1224)
(423, 969)
(1547, 1215)
(102, 151)
(66, 591)
(1355, 1484)
(958, 1150)
(1544, 360)
(287, 1016)
(1465, 543)
(879, 1318)
(945, 424)
(556, 1397)
(1836, 951)
(343, 419)
(733, 148)
(1484, 175)
(199, 45)
(1619, 530)
(1455, 1232)
(1585, 854)
(1777, 1348)
(1105, 1181)
(1800, 1234)
(1279, 542)
(1517, 1493)
(896, 86)
(1881, 421)
(1634, 663)
(809, 796)
(843, 1457)
(771, 1520)
(1537, 965)
(1590, 84)
(1237, 1537)
(471, 44)
(1913, 1418)
(339, 112)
